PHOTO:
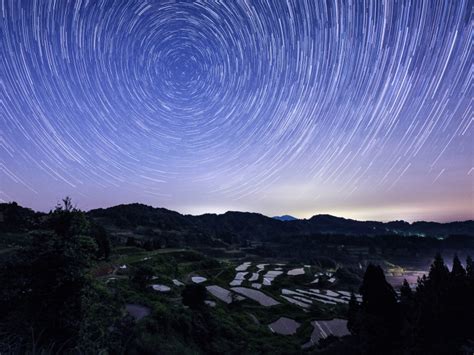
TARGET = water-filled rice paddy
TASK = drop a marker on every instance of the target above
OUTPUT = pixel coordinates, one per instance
(284, 326)
(198, 279)
(256, 295)
(161, 288)
(324, 328)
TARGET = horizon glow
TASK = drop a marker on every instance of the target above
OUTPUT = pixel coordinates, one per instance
(361, 109)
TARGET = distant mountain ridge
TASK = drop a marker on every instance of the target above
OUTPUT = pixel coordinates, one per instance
(254, 225)
(239, 225)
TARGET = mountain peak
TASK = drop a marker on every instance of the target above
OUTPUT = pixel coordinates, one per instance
(285, 218)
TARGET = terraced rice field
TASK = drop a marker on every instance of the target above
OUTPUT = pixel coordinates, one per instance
(254, 276)
(239, 278)
(322, 329)
(270, 276)
(250, 278)
(323, 296)
(198, 279)
(294, 272)
(262, 275)
(244, 266)
(177, 283)
(137, 311)
(267, 278)
(296, 302)
(161, 288)
(284, 326)
(256, 295)
(220, 293)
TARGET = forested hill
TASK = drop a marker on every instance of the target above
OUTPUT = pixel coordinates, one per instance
(240, 225)
(247, 224)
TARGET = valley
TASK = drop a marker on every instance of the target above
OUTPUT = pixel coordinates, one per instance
(145, 279)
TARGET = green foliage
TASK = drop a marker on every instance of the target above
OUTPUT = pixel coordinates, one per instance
(194, 296)
(102, 239)
(101, 311)
(329, 340)
(142, 276)
(16, 218)
(185, 331)
(66, 220)
(42, 286)
(318, 311)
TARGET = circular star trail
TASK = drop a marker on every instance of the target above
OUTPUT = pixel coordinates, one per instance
(237, 103)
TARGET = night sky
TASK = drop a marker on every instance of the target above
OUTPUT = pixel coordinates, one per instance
(361, 109)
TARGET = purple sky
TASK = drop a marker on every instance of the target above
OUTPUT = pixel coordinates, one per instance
(358, 109)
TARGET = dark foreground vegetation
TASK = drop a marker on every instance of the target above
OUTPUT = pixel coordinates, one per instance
(67, 277)
(435, 318)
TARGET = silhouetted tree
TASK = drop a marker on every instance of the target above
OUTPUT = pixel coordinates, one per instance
(407, 314)
(439, 272)
(47, 279)
(353, 315)
(102, 239)
(406, 294)
(66, 220)
(194, 296)
(435, 319)
(457, 272)
(380, 321)
(459, 304)
(470, 268)
(142, 275)
(440, 299)
(469, 311)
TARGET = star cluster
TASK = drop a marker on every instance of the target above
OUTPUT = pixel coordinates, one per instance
(348, 107)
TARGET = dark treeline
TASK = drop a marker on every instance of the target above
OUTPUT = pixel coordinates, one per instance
(237, 225)
(48, 299)
(353, 249)
(437, 317)
(154, 228)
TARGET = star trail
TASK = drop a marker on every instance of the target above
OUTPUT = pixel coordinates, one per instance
(362, 109)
